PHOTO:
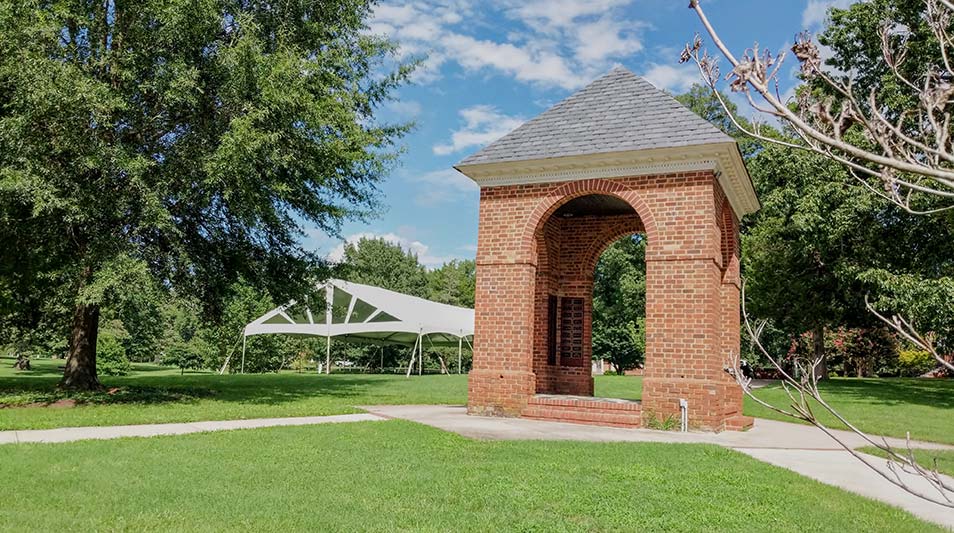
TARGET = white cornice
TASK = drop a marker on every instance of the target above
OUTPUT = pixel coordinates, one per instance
(723, 159)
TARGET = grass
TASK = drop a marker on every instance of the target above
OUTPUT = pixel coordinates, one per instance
(153, 394)
(888, 407)
(624, 387)
(399, 476)
(926, 458)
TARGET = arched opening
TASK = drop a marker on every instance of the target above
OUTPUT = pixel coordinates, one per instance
(569, 244)
(619, 316)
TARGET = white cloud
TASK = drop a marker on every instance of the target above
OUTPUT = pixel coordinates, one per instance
(421, 250)
(816, 12)
(673, 78)
(524, 63)
(482, 124)
(405, 108)
(560, 43)
(440, 186)
(554, 15)
(604, 38)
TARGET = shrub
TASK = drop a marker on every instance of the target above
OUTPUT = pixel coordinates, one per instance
(184, 355)
(111, 355)
(916, 362)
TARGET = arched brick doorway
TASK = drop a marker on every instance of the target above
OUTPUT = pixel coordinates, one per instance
(545, 217)
(569, 241)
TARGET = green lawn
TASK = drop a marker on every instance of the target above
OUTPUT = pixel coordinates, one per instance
(153, 394)
(889, 407)
(399, 476)
(926, 458)
(162, 395)
(625, 387)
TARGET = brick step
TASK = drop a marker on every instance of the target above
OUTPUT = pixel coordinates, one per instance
(579, 410)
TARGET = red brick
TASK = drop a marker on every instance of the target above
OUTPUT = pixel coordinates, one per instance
(692, 309)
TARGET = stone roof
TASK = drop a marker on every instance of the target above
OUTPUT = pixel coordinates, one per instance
(618, 112)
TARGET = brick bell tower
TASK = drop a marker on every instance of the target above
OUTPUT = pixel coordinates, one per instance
(617, 158)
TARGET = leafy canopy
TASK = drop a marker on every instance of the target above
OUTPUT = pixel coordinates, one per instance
(182, 142)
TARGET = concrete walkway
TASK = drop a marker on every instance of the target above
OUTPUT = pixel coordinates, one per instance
(802, 449)
(152, 430)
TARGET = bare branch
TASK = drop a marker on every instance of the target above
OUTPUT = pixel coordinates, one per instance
(914, 143)
(802, 391)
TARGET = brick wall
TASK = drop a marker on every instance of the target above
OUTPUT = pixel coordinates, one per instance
(525, 255)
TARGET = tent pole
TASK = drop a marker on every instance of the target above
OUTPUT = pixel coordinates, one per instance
(460, 350)
(420, 354)
(410, 365)
(329, 301)
(243, 352)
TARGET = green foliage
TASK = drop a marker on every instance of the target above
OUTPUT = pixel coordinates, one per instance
(263, 353)
(923, 301)
(183, 142)
(862, 352)
(802, 251)
(383, 264)
(112, 360)
(453, 283)
(185, 356)
(653, 421)
(856, 48)
(619, 304)
(914, 363)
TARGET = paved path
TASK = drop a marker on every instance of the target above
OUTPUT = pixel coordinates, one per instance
(152, 430)
(800, 448)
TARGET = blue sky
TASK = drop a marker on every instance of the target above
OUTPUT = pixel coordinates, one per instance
(493, 64)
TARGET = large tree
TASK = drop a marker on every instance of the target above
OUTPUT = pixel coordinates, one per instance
(181, 141)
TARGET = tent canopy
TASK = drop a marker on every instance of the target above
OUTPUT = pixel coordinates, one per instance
(364, 314)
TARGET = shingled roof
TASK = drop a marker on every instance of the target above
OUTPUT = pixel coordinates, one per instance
(615, 113)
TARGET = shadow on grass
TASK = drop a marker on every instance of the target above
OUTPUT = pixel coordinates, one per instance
(153, 385)
(894, 391)
(885, 391)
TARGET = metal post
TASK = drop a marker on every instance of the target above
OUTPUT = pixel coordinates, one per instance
(243, 352)
(329, 300)
(410, 365)
(460, 349)
(420, 354)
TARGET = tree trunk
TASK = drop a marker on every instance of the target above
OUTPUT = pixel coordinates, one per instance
(818, 345)
(80, 372)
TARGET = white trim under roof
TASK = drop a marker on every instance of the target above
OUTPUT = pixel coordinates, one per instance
(723, 159)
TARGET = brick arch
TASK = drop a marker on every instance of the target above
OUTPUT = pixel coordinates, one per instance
(575, 189)
(604, 241)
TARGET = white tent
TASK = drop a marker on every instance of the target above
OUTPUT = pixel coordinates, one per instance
(364, 314)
